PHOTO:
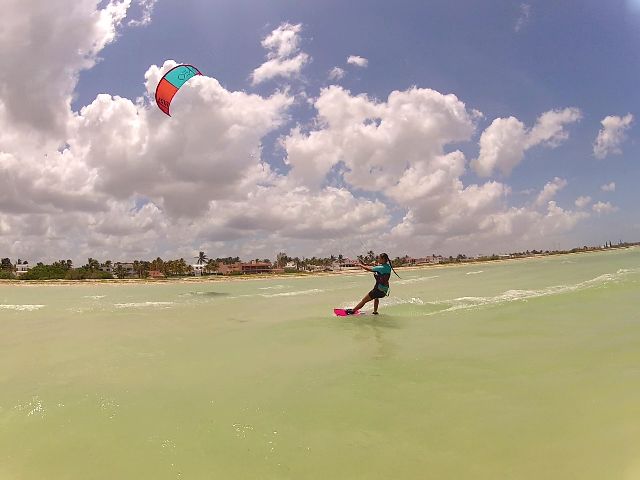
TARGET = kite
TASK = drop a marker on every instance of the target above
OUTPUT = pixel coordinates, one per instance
(171, 82)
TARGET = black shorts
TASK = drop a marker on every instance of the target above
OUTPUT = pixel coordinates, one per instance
(376, 293)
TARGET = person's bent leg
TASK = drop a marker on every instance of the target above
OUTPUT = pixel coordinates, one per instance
(366, 299)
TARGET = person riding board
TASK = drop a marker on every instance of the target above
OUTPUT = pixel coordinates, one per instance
(382, 274)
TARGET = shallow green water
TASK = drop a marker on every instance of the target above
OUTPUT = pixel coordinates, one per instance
(518, 370)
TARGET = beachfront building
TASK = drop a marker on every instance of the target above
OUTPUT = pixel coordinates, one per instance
(291, 267)
(198, 269)
(22, 268)
(346, 264)
(107, 268)
(242, 268)
(317, 268)
(424, 260)
(127, 269)
(156, 274)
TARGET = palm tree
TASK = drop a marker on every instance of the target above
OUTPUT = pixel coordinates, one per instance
(120, 272)
(211, 266)
(182, 267)
(158, 265)
(202, 258)
(170, 267)
(92, 264)
(282, 259)
(6, 264)
(144, 268)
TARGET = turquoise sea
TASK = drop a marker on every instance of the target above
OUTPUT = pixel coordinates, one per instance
(526, 369)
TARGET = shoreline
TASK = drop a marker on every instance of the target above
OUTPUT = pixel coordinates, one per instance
(257, 276)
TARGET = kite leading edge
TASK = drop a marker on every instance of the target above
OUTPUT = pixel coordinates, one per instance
(171, 82)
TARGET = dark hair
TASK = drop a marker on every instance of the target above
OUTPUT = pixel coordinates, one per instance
(385, 257)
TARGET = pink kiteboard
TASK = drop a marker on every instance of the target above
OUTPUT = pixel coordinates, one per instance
(341, 312)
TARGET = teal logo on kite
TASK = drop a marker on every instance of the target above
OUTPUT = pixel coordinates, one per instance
(171, 82)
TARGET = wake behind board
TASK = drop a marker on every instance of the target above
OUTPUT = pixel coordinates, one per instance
(341, 312)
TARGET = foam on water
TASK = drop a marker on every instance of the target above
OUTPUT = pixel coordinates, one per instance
(389, 302)
(33, 407)
(393, 301)
(475, 273)
(292, 294)
(414, 280)
(21, 308)
(465, 303)
(143, 304)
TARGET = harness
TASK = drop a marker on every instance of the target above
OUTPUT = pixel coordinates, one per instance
(382, 279)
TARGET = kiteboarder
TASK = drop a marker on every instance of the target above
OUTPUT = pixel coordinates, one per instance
(382, 273)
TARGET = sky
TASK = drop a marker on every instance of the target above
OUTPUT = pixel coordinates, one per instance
(412, 127)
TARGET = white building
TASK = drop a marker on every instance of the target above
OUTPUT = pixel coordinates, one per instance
(127, 269)
(198, 269)
(22, 268)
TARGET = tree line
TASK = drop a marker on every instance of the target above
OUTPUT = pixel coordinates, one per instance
(94, 269)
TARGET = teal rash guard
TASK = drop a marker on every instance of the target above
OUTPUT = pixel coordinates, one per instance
(382, 274)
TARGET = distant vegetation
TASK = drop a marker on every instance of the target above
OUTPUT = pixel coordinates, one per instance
(63, 270)
(93, 269)
(6, 275)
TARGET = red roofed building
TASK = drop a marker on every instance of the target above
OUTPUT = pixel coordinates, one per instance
(245, 268)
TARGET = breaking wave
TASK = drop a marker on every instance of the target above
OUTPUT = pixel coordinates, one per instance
(413, 280)
(292, 294)
(143, 304)
(466, 303)
(389, 302)
(21, 308)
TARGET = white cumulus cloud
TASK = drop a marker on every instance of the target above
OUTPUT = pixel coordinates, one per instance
(608, 187)
(550, 190)
(399, 147)
(284, 58)
(612, 135)
(602, 208)
(358, 61)
(59, 39)
(504, 142)
(376, 141)
(336, 73)
(582, 201)
(146, 7)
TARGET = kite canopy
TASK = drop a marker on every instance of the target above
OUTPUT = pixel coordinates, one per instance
(171, 82)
